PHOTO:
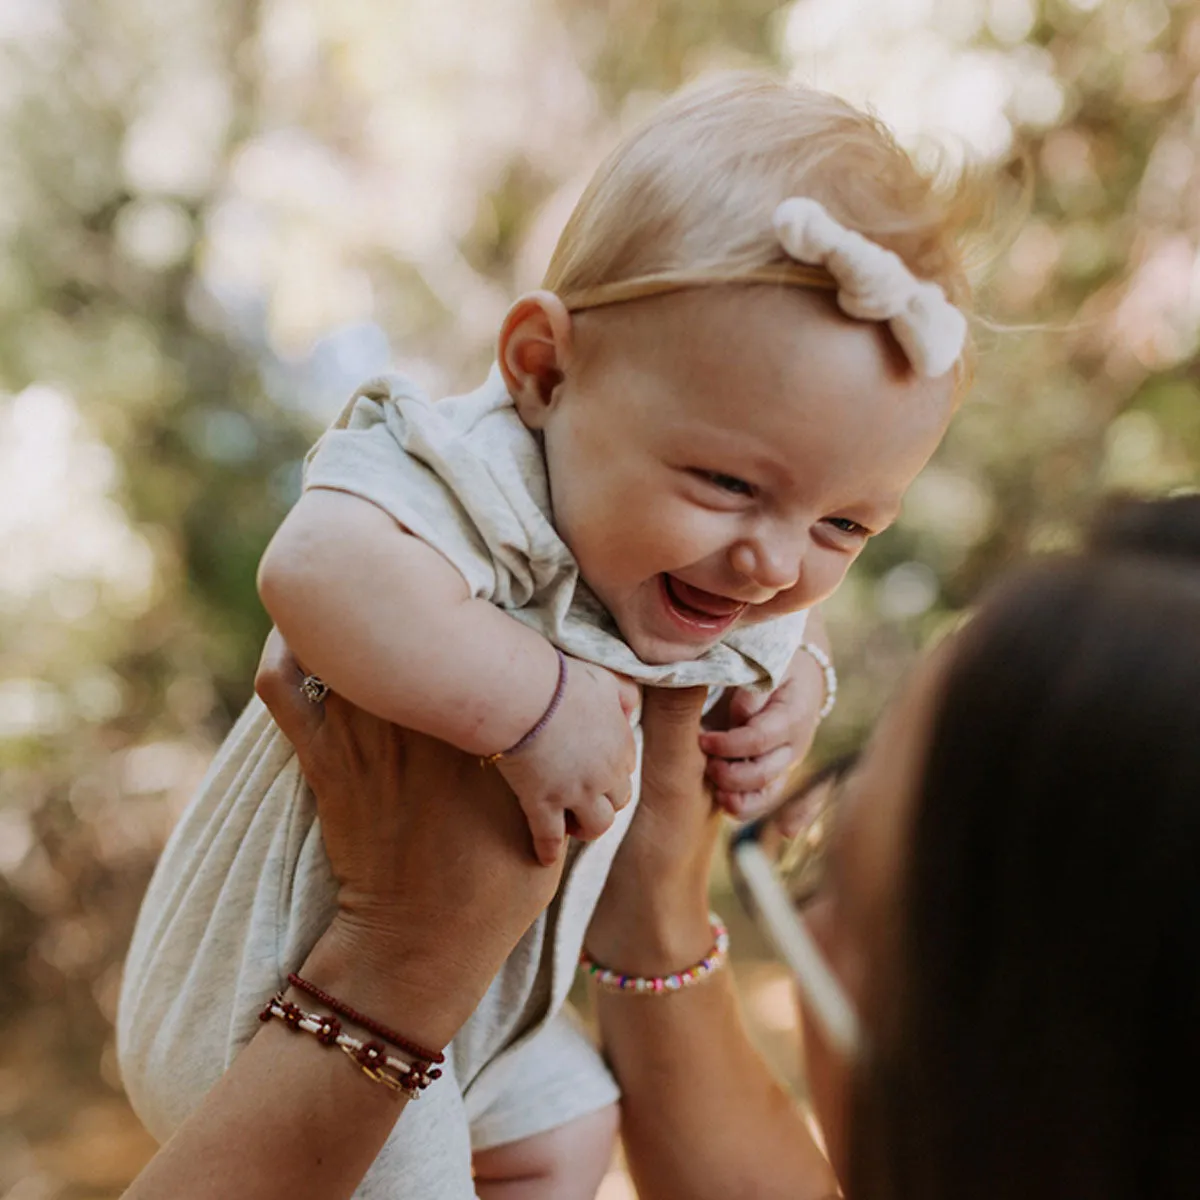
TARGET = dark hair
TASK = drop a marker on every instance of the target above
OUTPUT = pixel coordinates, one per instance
(1043, 1039)
(1162, 529)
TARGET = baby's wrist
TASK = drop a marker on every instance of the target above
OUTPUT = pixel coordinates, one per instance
(538, 727)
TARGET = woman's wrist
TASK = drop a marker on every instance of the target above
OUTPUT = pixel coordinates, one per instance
(652, 917)
(656, 949)
(658, 929)
(419, 989)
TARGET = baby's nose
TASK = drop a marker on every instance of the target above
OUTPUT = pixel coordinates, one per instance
(773, 563)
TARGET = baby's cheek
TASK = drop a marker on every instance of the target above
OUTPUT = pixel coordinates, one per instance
(823, 571)
(831, 572)
(819, 579)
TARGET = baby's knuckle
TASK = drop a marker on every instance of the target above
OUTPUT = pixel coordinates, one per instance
(717, 769)
(757, 743)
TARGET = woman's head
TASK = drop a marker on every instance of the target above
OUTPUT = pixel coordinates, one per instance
(759, 435)
(1019, 910)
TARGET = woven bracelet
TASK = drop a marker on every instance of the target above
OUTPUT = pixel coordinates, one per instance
(560, 689)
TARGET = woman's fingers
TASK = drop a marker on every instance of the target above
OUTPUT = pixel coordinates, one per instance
(277, 683)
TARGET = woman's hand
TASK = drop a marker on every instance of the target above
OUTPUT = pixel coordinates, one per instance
(436, 879)
(436, 884)
(652, 917)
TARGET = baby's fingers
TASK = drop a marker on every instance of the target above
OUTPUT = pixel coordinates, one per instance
(593, 817)
(549, 828)
(766, 731)
(750, 774)
(621, 791)
(747, 806)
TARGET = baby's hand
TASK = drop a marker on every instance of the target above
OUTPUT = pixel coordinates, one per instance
(574, 776)
(767, 736)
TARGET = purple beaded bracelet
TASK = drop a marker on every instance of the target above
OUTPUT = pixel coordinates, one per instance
(714, 960)
(544, 720)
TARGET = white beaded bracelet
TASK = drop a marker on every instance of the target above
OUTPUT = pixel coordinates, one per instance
(831, 680)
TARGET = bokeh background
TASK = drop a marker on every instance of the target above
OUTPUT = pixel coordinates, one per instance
(218, 216)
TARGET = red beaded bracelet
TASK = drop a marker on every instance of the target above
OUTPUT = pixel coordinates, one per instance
(372, 1058)
(353, 1015)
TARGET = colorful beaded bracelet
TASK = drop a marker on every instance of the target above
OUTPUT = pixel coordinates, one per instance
(372, 1058)
(614, 981)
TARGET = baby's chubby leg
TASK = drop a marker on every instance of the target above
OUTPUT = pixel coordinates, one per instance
(544, 1117)
(565, 1163)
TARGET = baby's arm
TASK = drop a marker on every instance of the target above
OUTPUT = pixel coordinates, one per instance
(390, 624)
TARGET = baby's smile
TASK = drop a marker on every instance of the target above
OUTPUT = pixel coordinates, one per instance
(700, 614)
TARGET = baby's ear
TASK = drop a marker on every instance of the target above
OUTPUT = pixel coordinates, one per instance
(533, 349)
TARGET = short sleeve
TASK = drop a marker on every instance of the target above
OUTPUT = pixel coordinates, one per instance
(366, 458)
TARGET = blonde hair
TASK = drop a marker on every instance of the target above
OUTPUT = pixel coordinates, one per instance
(688, 199)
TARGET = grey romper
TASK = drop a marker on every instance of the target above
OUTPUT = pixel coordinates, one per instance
(243, 889)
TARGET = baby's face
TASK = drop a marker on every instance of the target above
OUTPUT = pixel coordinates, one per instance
(721, 456)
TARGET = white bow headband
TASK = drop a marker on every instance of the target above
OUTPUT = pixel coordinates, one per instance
(875, 285)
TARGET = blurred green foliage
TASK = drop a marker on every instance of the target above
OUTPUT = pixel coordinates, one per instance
(217, 217)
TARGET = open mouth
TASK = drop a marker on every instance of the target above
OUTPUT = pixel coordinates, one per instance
(699, 611)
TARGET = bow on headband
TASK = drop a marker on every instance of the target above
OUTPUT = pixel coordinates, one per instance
(875, 285)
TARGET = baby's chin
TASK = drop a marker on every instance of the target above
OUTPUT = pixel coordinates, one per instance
(661, 652)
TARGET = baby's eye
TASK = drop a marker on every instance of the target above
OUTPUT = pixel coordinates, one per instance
(728, 483)
(848, 527)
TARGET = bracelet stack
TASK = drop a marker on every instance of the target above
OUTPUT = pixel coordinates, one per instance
(419, 1053)
(713, 961)
(406, 1076)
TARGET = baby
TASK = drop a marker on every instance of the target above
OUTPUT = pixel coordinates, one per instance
(744, 352)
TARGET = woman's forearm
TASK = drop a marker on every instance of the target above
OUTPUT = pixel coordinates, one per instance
(701, 1114)
(295, 1120)
(292, 1119)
